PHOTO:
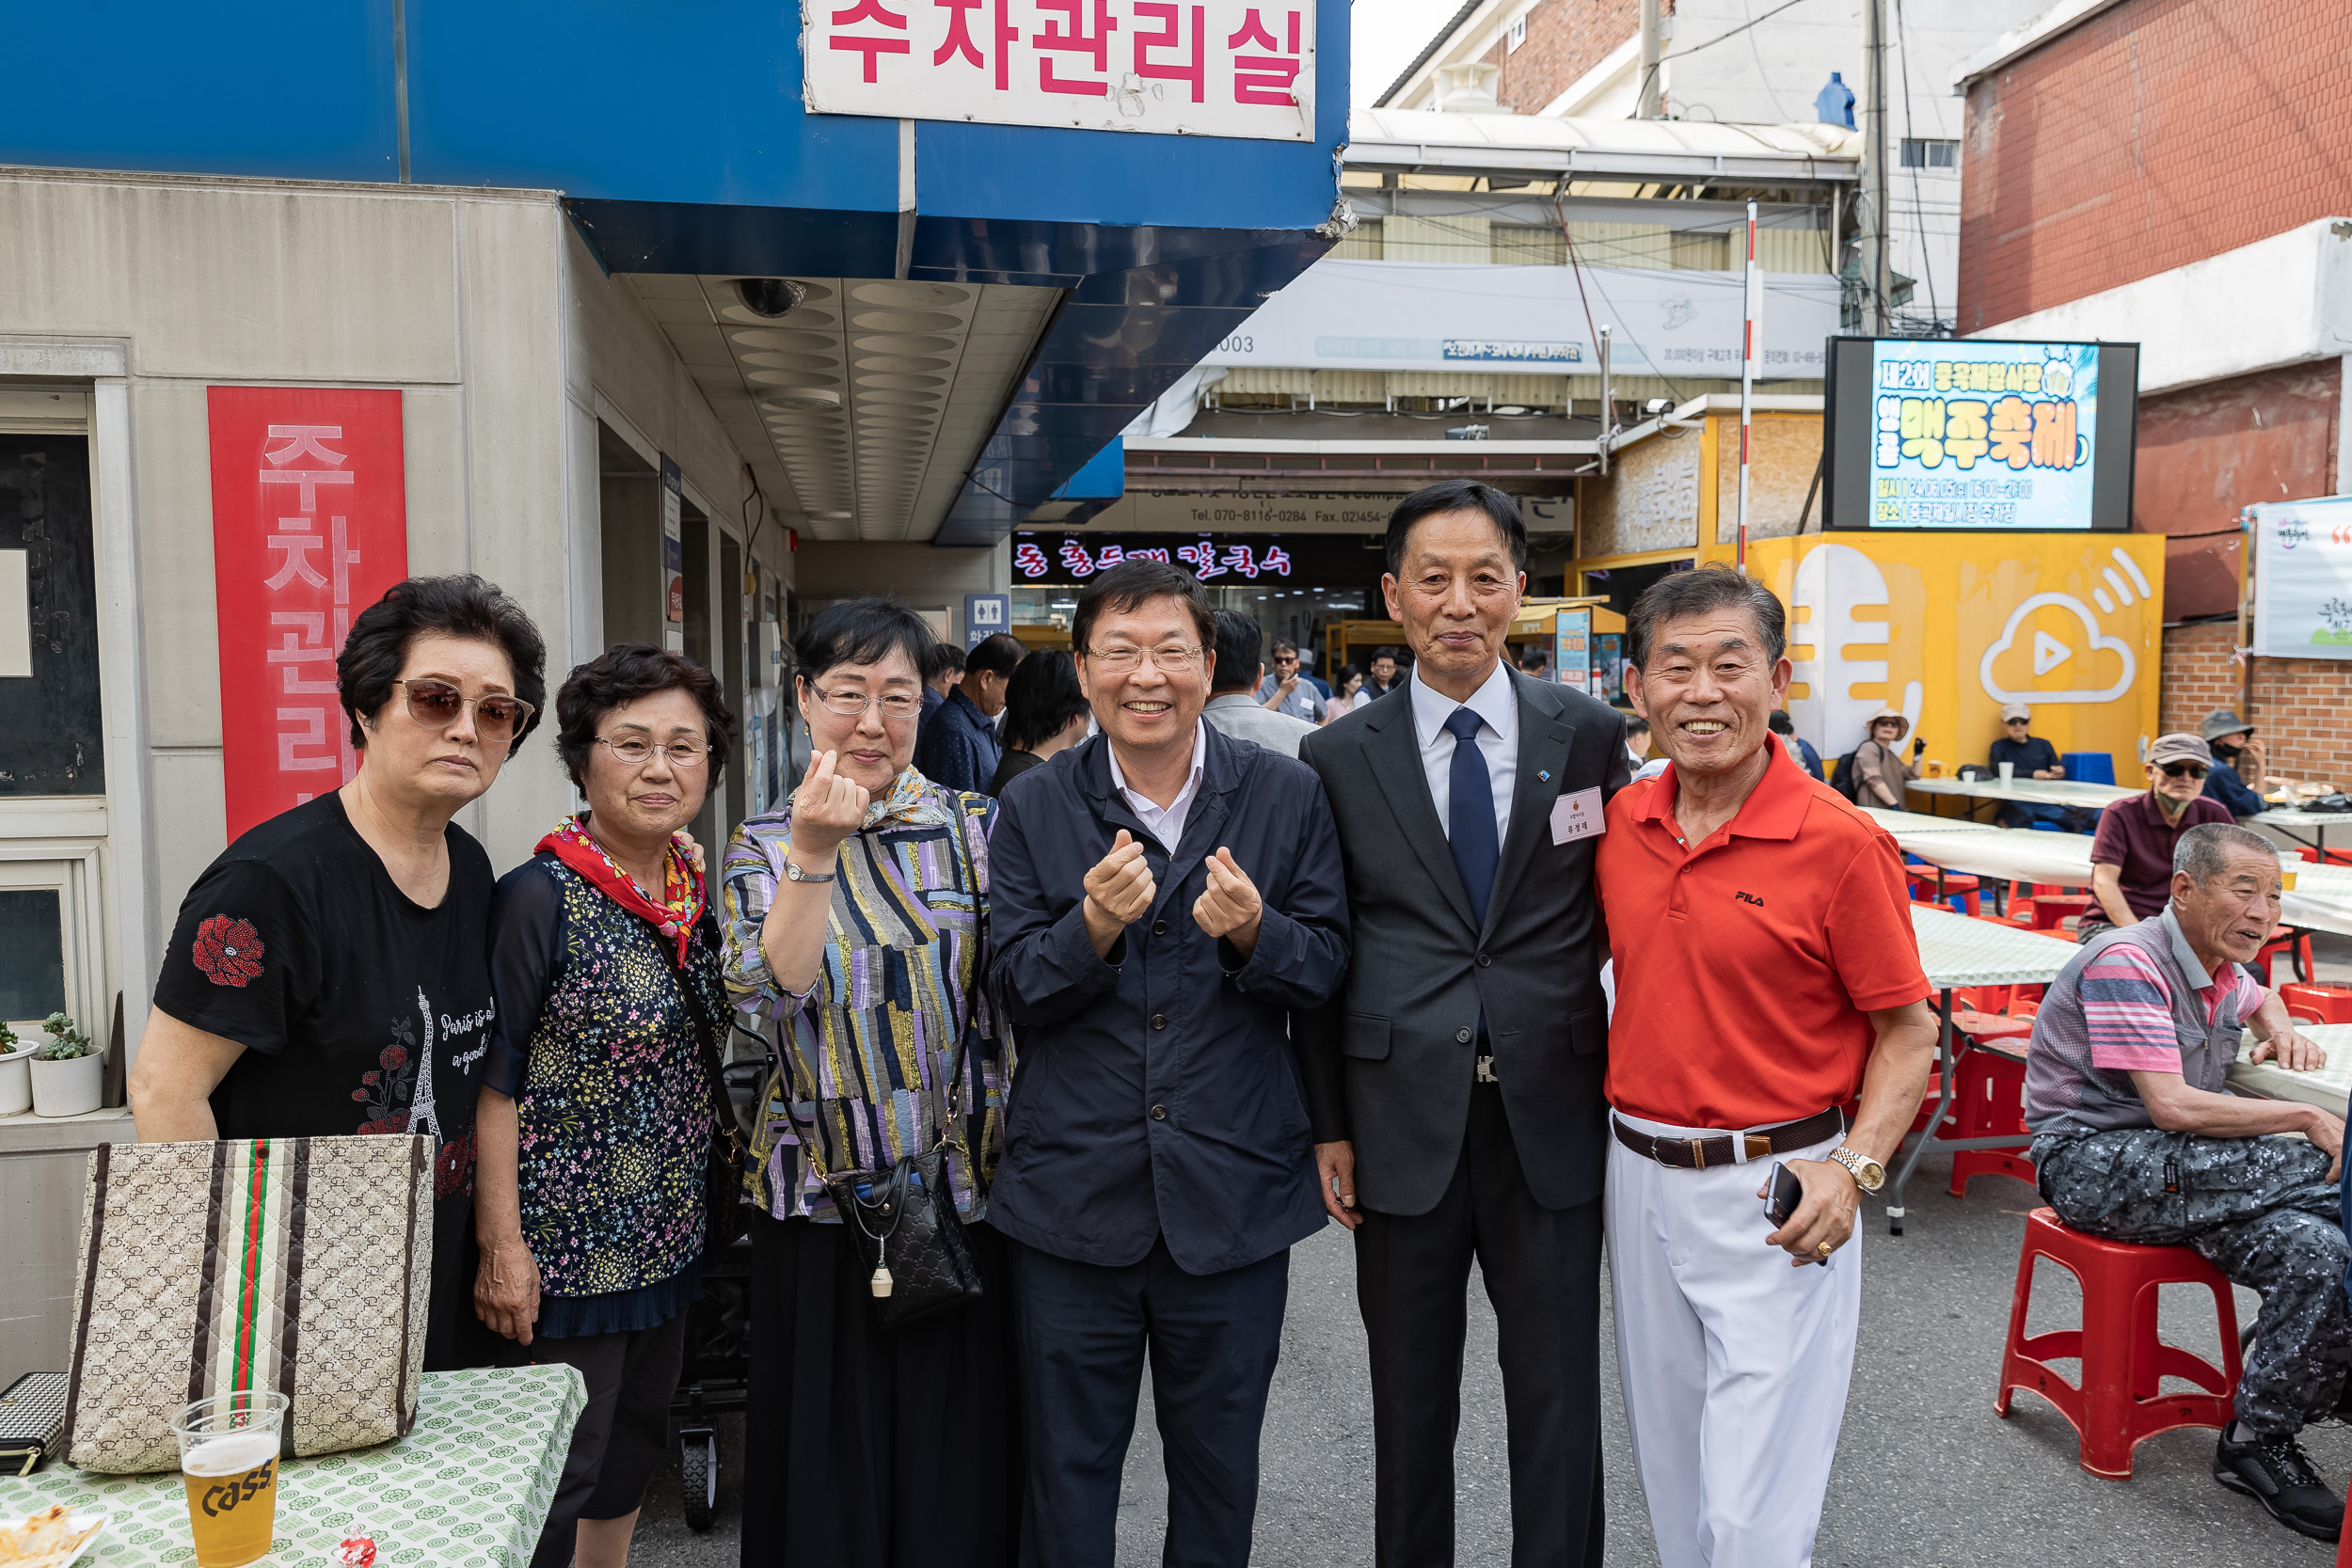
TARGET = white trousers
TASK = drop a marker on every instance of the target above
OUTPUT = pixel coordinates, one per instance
(1734, 1364)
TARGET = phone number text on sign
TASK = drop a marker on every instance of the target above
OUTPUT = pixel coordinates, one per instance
(1223, 68)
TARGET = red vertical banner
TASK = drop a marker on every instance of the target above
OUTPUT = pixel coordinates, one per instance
(309, 528)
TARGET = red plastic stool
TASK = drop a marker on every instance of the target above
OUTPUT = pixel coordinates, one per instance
(1990, 1096)
(2335, 857)
(1956, 885)
(2295, 944)
(2317, 1004)
(2050, 909)
(2117, 1405)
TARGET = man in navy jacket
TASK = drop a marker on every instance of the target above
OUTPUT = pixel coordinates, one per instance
(1161, 896)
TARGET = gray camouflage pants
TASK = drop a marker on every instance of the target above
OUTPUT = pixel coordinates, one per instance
(2260, 1210)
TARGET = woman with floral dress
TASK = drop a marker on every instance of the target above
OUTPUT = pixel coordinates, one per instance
(596, 1111)
(857, 921)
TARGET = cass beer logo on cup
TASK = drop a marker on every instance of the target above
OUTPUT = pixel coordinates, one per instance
(1946, 631)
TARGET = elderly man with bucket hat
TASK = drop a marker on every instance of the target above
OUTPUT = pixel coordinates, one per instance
(2239, 761)
(1879, 770)
(2131, 859)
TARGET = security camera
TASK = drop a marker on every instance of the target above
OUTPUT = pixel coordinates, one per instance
(1656, 405)
(768, 296)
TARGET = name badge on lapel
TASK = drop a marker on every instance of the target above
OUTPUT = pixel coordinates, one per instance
(1577, 815)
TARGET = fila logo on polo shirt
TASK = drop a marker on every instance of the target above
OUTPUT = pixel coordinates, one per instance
(1749, 898)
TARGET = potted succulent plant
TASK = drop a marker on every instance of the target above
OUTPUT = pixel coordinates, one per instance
(16, 1075)
(69, 1074)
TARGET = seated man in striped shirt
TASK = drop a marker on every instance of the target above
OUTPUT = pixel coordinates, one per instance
(2136, 1139)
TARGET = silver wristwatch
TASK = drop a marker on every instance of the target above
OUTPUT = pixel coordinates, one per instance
(794, 873)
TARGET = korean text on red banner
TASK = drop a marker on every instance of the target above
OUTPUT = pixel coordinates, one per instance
(309, 527)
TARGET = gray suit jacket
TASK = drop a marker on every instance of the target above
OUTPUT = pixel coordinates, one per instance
(1388, 1063)
(1237, 714)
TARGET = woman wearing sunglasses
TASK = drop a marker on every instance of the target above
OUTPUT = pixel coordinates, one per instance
(597, 1097)
(329, 973)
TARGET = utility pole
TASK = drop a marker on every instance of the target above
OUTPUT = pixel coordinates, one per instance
(1751, 361)
(1652, 102)
(1871, 231)
(1608, 404)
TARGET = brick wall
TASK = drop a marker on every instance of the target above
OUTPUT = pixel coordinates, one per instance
(2154, 135)
(1564, 39)
(2298, 704)
(2206, 453)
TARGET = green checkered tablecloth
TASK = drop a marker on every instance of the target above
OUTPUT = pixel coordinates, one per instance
(468, 1488)
(1958, 950)
(2329, 1089)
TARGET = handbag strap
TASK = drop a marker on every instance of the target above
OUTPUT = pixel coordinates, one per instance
(707, 1034)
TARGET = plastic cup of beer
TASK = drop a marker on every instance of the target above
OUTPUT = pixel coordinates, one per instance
(2286, 880)
(2009, 772)
(228, 1459)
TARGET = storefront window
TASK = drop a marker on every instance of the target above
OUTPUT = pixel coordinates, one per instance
(51, 729)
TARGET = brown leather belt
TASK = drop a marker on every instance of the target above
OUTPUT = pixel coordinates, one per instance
(1706, 1153)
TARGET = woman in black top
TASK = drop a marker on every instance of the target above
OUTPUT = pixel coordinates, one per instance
(596, 1110)
(329, 973)
(1045, 712)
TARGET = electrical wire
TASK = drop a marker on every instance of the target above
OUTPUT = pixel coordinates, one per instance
(1927, 262)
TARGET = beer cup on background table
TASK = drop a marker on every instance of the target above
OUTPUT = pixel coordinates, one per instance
(228, 1459)
(2009, 772)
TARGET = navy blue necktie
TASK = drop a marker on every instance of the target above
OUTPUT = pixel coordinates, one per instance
(1470, 813)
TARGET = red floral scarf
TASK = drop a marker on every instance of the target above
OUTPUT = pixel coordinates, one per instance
(681, 904)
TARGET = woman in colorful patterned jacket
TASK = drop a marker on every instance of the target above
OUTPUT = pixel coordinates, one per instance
(857, 921)
(595, 1110)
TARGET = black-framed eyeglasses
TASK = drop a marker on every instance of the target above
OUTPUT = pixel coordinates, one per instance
(852, 705)
(2187, 770)
(636, 750)
(436, 704)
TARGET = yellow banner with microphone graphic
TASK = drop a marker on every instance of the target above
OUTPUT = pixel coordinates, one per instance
(1948, 629)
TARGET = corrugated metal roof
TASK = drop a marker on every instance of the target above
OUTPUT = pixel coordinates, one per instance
(1424, 140)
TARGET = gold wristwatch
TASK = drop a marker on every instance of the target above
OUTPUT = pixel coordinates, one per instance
(1868, 1173)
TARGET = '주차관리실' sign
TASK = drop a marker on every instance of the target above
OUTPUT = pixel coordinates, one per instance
(309, 528)
(1225, 68)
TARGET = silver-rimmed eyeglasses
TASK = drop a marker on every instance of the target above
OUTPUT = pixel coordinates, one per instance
(1121, 659)
(635, 751)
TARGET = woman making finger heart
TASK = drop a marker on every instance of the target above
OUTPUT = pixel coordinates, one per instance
(857, 920)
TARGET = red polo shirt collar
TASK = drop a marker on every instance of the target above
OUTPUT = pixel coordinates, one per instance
(1774, 809)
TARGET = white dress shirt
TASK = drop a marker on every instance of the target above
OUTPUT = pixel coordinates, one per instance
(1166, 824)
(1496, 704)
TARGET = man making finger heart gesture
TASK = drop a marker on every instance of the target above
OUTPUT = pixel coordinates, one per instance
(1163, 896)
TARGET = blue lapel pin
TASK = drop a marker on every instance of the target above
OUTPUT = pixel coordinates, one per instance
(1543, 776)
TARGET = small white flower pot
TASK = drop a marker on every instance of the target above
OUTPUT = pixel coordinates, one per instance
(67, 1088)
(16, 1078)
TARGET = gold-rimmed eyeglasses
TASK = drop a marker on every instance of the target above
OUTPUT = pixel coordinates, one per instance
(1123, 659)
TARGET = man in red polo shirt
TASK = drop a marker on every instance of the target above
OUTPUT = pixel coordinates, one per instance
(1766, 971)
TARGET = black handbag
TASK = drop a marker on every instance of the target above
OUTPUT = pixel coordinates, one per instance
(903, 1221)
(723, 1167)
(910, 1237)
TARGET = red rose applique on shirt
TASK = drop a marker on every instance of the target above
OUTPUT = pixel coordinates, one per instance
(228, 951)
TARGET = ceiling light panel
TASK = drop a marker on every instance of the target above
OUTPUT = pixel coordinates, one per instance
(869, 400)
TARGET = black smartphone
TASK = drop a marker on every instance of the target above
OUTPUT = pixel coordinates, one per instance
(1783, 1192)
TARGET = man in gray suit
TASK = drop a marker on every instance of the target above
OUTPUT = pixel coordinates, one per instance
(1233, 704)
(1455, 1084)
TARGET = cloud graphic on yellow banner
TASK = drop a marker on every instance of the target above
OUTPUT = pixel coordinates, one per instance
(2044, 649)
